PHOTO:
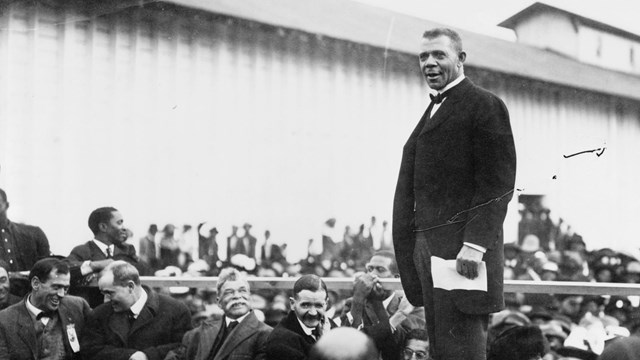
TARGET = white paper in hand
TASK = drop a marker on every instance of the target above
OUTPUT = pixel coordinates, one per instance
(446, 277)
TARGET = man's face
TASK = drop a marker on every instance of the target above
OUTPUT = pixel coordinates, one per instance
(121, 297)
(234, 298)
(418, 347)
(115, 230)
(310, 306)
(46, 295)
(439, 61)
(4, 284)
(379, 266)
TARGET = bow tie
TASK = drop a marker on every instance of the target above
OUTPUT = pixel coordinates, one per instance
(438, 97)
(45, 314)
(316, 333)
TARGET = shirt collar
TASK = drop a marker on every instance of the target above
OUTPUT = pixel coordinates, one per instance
(452, 84)
(33, 310)
(307, 330)
(103, 247)
(239, 320)
(387, 301)
(136, 308)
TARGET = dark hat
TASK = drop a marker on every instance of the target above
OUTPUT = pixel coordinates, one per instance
(516, 343)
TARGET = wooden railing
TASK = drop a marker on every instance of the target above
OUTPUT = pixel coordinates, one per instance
(510, 286)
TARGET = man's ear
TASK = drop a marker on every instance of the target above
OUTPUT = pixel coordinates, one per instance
(35, 283)
(102, 227)
(292, 302)
(131, 285)
(462, 56)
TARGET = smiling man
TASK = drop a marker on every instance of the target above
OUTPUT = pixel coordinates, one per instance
(88, 259)
(6, 297)
(237, 335)
(456, 178)
(47, 322)
(294, 336)
(135, 323)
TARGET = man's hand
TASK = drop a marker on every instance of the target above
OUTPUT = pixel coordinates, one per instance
(363, 284)
(404, 309)
(98, 265)
(138, 355)
(468, 261)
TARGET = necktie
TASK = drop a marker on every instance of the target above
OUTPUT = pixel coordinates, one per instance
(131, 316)
(45, 314)
(231, 326)
(316, 333)
(436, 98)
(109, 253)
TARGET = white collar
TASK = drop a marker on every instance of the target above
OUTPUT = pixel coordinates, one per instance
(307, 330)
(452, 84)
(239, 320)
(103, 247)
(136, 308)
(387, 301)
(32, 308)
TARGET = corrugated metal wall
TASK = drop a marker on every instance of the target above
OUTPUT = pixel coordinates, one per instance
(180, 116)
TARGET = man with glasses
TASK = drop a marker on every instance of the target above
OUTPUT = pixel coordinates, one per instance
(416, 345)
(47, 322)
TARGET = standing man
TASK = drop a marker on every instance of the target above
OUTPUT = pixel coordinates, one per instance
(20, 245)
(456, 178)
(136, 323)
(296, 333)
(237, 335)
(147, 247)
(47, 322)
(108, 244)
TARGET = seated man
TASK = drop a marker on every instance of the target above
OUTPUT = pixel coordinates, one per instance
(416, 343)
(135, 323)
(383, 314)
(47, 322)
(239, 334)
(294, 336)
(344, 344)
(6, 297)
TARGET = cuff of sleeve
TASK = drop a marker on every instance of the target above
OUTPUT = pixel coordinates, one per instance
(482, 249)
(85, 268)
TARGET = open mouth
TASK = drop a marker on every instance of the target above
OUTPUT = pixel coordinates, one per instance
(54, 301)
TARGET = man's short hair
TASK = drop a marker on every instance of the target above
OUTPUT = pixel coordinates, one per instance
(417, 334)
(229, 274)
(3, 195)
(100, 215)
(309, 282)
(451, 34)
(123, 272)
(393, 267)
(42, 268)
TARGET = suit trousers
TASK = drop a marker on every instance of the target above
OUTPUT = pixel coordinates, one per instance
(453, 335)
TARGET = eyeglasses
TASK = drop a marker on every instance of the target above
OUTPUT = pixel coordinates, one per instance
(420, 355)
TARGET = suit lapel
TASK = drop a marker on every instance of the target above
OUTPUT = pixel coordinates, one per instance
(239, 334)
(446, 108)
(96, 253)
(119, 324)
(207, 339)
(26, 330)
(148, 312)
(392, 308)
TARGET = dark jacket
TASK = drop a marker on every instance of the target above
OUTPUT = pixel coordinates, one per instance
(456, 178)
(18, 334)
(289, 341)
(158, 329)
(247, 341)
(32, 245)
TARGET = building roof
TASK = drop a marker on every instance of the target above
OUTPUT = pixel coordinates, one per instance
(360, 23)
(538, 8)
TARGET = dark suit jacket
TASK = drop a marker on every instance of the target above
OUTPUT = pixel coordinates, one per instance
(18, 334)
(456, 177)
(32, 245)
(158, 329)
(289, 341)
(247, 341)
(84, 286)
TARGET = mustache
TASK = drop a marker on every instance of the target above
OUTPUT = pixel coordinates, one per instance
(237, 302)
(312, 317)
